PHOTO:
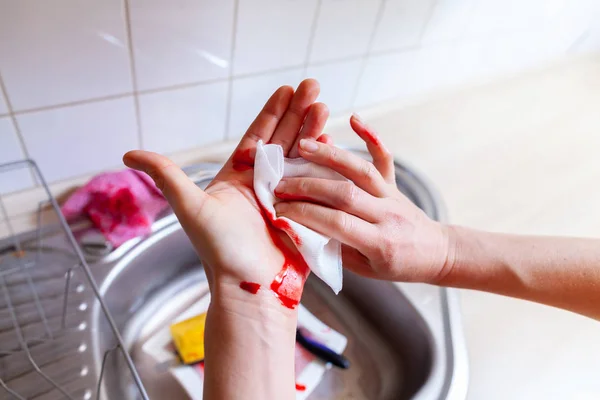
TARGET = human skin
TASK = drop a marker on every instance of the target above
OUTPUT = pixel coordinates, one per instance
(385, 236)
(250, 327)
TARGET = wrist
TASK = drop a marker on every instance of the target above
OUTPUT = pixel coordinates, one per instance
(249, 345)
(450, 255)
(261, 306)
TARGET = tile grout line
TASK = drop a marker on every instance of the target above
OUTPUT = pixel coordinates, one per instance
(167, 88)
(217, 80)
(312, 34)
(133, 74)
(179, 86)
(17, 129)
(365, 59)
(229, 101)
(73, 103)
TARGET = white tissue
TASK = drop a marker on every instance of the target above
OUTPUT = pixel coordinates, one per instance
(322, 254)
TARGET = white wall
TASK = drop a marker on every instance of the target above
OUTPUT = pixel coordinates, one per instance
(84, 81)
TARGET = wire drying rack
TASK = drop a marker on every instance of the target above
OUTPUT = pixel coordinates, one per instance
(46, 295)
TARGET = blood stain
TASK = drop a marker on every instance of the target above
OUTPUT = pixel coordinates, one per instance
(251, 287)
(285, 226)
(300, 387)
(371, 136)
(289, 282)
(242, 160)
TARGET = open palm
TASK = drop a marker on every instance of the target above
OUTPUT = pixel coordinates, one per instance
(225, 222)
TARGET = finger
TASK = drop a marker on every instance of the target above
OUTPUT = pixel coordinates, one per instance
(262, 128)
(382, 159)
(325, 138)
(358, 170)
(355, 261)
(312, 127)
(287, 130)
(341, 195)
(179, 190)
(337, 224)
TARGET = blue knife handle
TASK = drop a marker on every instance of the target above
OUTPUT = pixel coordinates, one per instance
(321, 351)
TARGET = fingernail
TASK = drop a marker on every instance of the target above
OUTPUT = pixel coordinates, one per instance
(357, 117)
(280, 187)
(308, 145)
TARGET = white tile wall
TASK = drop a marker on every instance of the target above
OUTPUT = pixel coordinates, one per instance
(249, 94)
(386, 77)
(409, 74)
(436, 67)
(10, 150)
(177, 42)
(203, 67)
(338, 81)
(590, 41)
(62, 51)
(71, 141)
(183, 118)
(272, 34)
(334, 38)
(497, 55)
(492, 16)
(402, 24)
(448, 20)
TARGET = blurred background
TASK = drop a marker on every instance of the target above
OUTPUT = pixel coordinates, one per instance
(496, 101)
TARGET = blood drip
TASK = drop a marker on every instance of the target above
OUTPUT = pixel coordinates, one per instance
(242, 160)
(251, 287)
(285, 226)
(300, 387)
(289, 282)
(371, 136)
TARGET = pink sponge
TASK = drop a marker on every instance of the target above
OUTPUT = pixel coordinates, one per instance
(122, 204)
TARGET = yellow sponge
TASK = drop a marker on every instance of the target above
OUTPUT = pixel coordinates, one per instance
(188, 336)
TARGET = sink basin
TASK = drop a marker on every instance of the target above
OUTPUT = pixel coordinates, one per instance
(404, 340)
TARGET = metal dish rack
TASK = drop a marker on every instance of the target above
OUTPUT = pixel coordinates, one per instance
(46, 294)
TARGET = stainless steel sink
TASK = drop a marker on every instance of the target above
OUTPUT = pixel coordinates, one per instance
(404, 340)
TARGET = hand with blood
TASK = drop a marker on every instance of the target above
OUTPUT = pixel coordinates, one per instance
(255, 273)
(236, 240)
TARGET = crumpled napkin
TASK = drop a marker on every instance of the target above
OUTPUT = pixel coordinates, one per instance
(322, 254)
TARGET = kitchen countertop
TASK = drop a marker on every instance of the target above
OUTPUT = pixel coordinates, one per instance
(513, 155)
(518, 155)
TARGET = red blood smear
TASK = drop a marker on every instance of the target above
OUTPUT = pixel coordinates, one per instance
(199, 366)
(300, 387)
(371, 136)
(250, 287)
(285, 226)
(242, 160)
(289, 282)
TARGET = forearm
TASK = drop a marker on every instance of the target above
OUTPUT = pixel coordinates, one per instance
(249, 349)
(561, 272)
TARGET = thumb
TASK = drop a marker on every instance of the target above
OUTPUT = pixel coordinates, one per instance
(182, 194)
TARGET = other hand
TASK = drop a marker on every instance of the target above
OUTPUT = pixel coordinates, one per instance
(384, 235)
